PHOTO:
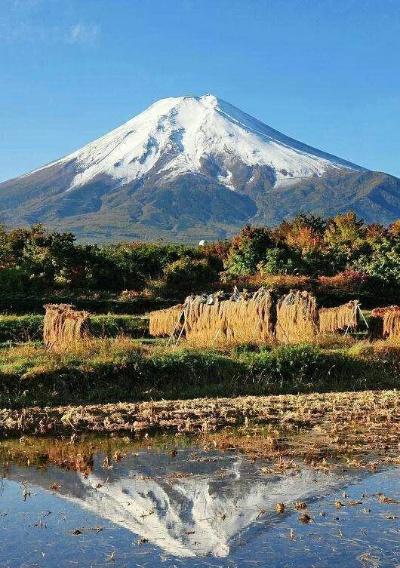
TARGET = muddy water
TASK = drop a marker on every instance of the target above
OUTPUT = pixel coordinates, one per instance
(193, 508)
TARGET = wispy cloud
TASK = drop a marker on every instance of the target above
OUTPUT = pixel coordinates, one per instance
(45, 21)
(83, 33)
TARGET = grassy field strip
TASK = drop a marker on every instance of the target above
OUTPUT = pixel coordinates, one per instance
(122, 370)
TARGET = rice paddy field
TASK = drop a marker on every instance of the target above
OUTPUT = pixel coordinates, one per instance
(278, 494)
(128, 451)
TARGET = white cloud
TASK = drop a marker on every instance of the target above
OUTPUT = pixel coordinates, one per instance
(83, 33)
(44, 21)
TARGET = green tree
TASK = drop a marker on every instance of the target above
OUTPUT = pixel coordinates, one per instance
(345, 241)
(247, 250)
(383, 261)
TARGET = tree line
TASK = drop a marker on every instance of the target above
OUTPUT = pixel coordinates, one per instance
(340, 251)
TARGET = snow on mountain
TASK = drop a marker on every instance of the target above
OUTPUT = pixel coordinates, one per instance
(175, 135)
(190, 168)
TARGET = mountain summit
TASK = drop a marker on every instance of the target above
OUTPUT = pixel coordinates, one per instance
(190, 167)
(176, 136)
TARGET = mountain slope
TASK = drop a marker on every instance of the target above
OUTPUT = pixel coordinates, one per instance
(189, 168)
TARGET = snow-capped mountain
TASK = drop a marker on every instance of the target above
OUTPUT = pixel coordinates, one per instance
(177, 136)
(192, 167)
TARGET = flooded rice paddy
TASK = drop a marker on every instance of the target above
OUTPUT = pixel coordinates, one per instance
(186, 502)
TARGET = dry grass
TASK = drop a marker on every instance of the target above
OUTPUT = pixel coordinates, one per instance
(64, 326)
(164, 323)
(314, 427)
(391, 323)
(248, 320)
(341, 318)
(385, 323)
(297, 318)
(258, 319)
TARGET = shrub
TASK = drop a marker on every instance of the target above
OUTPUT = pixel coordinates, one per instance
(187, 274)
(288, 368)
(21, 328)
(281, 261)
(350, 281)
(282, 282)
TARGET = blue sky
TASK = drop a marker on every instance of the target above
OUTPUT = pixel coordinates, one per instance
(325, 72)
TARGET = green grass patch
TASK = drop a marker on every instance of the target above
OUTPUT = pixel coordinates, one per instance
(122, 370)
(20, 329)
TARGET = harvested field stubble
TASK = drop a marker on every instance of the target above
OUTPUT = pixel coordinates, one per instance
(314, 426)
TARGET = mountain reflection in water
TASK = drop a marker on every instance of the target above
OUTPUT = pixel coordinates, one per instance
(193, 504)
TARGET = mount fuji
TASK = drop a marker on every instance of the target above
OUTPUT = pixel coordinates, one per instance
(188, 168)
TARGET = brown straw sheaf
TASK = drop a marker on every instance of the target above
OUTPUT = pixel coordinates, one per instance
(384, 322)
(297, 317)
(64, 326)
(340, 318)
(231, 322)
(163, 323)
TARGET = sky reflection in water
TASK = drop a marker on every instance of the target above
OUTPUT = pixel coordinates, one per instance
(195, 509)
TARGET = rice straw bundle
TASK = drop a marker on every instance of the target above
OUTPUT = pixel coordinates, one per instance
(382, 322)
(341, 318)
(391, 322)
(64, 326)
(297, 317)
(249, 319)
(166, 322)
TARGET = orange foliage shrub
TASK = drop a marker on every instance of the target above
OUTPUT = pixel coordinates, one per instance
(347, 281)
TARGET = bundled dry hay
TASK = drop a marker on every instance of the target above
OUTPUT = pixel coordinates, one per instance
(381, 322)
(64, 326)
(391, 323)
(297, 317)
(386, 321)
(242, 319)
(341, 318)
(166, 322)
(376, 323)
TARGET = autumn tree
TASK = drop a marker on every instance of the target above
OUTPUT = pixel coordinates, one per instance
(248, 249)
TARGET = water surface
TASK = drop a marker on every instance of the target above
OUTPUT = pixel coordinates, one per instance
(192, 508)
